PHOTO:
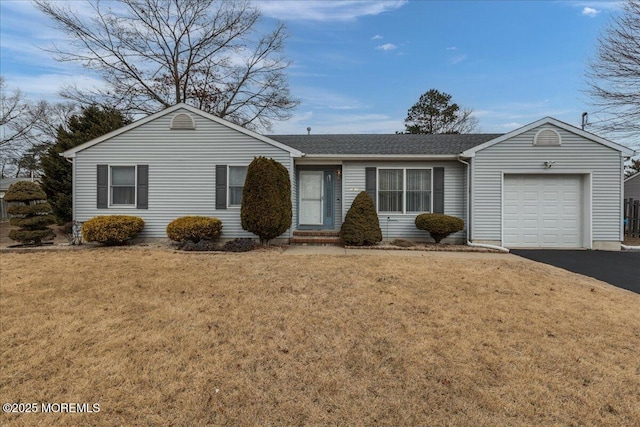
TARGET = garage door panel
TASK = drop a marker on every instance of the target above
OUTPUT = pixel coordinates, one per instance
(543, 211)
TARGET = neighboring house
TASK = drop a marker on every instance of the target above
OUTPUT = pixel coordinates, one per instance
(547, 184)
(5, 183)
(632, 187)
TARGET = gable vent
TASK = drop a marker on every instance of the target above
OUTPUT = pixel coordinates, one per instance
(182, 121)
(547, 137)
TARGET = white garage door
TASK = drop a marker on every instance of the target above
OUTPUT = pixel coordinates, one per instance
(543, 211)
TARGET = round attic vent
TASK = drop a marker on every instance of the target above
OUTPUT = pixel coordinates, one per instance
(547, 137)
(182, 121)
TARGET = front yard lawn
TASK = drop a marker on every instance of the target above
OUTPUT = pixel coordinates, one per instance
(163, 338)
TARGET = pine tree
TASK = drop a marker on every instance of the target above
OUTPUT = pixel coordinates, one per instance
(93, 122)
(266, 209)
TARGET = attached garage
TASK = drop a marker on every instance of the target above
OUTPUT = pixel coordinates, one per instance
(546, 185)
(543, 211)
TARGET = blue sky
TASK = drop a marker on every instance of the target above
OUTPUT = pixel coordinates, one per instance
(358, 66)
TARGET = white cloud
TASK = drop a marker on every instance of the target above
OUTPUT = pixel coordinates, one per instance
(510, 126)
(590, 12)
(48, 86)
(452, 48)
(387, 46)
(338, 124)
(377, 37)
(319, 10)
(458, 59)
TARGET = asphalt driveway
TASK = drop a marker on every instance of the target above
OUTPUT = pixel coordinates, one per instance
(621, 269)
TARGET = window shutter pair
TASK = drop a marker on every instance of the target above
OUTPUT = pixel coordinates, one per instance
(438, 187)
(142, 187)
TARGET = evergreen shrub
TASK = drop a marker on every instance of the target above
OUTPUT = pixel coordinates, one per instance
(194, 228)
(266, 209)
(361, 226)
(30, 212)
(112, 230)
(439, 226)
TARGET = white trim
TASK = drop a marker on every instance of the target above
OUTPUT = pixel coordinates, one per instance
(71, 153)
(74, 198)
(111, 205)
(588, 209)
(545, 121)
(404, 190)
(625, 180)
(502, 208)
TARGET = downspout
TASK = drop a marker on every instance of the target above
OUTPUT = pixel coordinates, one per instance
(469, 243)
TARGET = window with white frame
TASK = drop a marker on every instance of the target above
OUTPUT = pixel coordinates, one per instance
(237, 175)
(123, 185)
(404, 190)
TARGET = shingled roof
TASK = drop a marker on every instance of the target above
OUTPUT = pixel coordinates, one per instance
(377, 144)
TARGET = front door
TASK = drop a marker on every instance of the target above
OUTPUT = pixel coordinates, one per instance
(311, 192)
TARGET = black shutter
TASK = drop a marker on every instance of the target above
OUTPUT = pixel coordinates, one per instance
(438, 190)
(102, 196)
(370, 183)
(221, 186)
(142, 199)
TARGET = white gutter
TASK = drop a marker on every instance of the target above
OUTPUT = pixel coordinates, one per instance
(469, 243)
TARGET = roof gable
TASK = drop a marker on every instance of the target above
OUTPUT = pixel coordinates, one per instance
(72, 152)
(549, 120)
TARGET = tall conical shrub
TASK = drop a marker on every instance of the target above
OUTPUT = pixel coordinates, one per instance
(266, 209)
(31, 213)
(361, 225)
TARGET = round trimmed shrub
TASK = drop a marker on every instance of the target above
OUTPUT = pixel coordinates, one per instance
(194, 228)
(439, 226)
(112, 230)
(361, 225)
(29, 211)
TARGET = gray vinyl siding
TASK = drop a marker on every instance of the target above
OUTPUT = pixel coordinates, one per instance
(576, 155)
(403, 225)
(632, 188)
(181, 171)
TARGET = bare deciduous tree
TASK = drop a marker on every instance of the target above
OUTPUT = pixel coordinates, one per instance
(614, 76)
(155, 53)
(26, 129)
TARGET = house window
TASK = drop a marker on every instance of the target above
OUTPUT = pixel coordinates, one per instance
(123, 185)
(418, 190)
(404, 190)
(237, 175)
(390, 193)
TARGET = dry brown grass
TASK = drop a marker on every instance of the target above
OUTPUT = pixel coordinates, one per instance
(162, 338)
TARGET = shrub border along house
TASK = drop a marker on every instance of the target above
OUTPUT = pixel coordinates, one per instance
(112, 230)
(476, 177)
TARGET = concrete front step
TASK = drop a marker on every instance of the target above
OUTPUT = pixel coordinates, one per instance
(316, 233)
(322, 241)
(316, 238)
